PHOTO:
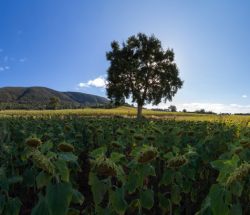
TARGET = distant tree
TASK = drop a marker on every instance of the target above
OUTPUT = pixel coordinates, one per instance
(118, 102)
(140, 68)
(54, 102)
(172, 108)
(184, 110)
(201, 111)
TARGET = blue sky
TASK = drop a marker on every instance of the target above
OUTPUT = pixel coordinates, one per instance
(61, 44)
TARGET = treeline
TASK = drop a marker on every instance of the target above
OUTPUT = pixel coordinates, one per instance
(173, 108)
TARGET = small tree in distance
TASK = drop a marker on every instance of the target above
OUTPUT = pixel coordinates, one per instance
(140, 68)
(53, 103)
(172, 108)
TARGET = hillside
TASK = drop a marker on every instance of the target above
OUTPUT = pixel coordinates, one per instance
(39, 98)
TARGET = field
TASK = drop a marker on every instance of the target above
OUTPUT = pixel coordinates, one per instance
(125, 111)
(67, 162)
(128, 112)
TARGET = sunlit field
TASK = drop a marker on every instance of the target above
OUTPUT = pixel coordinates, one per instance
(124, 107)
(126, 112)
(115, 165)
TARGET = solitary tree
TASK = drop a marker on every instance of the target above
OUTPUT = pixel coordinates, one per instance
(172, 108)
(142, 69)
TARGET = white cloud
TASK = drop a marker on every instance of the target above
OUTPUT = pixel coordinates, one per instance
(3, 68)
(82, 85)
(22, 60)
(244, 96)
(99, 82)
(215, 107)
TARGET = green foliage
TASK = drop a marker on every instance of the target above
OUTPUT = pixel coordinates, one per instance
(53, 103)
(59, 197)
(140, 68)
(183, 168)
(147, 199)
(117, 200)
(41, 208)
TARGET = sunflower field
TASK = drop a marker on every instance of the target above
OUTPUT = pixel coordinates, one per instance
(109, 166)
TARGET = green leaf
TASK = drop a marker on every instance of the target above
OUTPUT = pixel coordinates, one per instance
(63, 170)
(50, 155)
(147, 199)
(41, 208)
(168, 155)
(205, 207)
(68, 156)
(176, 150)
(179, 179)
(236, 209)
(167, 177)
(46, 146)
(98, 152)
(217, 195)
(12, 207)
(77, 197)
(132, 182)
(146, 170)
(59, 197)
(116, 157)
(236, 188)
(118, 202)
(98, 188)
(175, 194)
(189, 173)
(42, 179)
(142, 172)
(225, 167)
(164, 202)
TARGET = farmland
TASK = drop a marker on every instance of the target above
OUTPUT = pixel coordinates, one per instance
(127, 112)
(69, 162)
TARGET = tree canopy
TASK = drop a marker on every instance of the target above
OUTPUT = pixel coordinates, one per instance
(172, 108)
(141, 69)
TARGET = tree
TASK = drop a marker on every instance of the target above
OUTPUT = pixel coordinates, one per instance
(200, 111)
(142, 70)
(53, 103)
(172, 108)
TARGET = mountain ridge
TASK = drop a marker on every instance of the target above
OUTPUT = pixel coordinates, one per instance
(39, 97)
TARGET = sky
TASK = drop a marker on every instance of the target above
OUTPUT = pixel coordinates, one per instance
(62, 44)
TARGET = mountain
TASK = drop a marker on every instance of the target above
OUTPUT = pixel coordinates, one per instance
(40, 97)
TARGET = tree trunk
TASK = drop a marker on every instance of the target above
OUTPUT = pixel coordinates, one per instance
(139, 111)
